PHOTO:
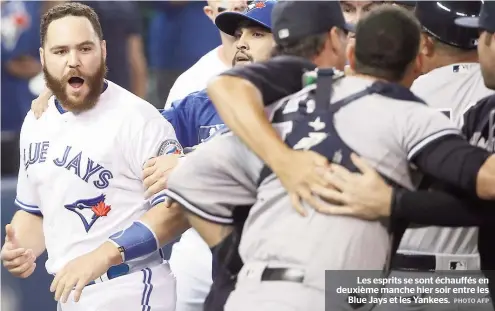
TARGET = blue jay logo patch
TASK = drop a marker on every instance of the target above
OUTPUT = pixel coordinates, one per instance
(89, 210)
(170, 146)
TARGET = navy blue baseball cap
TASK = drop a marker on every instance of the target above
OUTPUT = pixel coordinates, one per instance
(438, 19)
(485, 20)
(294, 20)
(258, 13)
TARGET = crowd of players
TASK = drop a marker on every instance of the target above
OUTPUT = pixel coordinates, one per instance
(268, 215)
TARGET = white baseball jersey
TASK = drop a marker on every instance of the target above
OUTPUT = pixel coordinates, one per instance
(83, 172)
(451, 89)
(196, 78)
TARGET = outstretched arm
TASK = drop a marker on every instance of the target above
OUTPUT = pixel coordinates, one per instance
(156, 228)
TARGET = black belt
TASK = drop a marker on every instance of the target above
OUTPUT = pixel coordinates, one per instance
(283, 274)
(423, 263)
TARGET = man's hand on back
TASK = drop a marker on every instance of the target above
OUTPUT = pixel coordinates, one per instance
(364, 195)
(156, 172)
(40, 104)
(302, 174)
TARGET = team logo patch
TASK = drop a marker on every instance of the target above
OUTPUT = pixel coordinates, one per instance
(457, 265)
(89, 210)
(170, 146)
(256, 5)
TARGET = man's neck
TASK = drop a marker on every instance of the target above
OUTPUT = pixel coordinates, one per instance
(447, 60)
(404, 82)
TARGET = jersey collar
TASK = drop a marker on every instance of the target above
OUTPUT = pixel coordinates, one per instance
(62, 110)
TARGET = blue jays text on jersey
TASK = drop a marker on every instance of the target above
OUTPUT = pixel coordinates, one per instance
(194, 119)
(71, 161)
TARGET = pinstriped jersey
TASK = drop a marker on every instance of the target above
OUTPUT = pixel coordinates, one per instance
(452, 89)
(223, 173)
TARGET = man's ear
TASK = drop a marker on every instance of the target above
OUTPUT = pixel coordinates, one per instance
(42, 57)
(418, 64)
(427, 46)
(335, 39)
(208, 10)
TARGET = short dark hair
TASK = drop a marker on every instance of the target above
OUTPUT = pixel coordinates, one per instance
(387, 42)
(69, 9)
(307, 47)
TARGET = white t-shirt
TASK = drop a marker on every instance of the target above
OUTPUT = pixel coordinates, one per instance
(196, 78)
(83, 172)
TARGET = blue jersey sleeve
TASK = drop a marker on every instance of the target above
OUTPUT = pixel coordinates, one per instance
(194, 119)
(182, 117)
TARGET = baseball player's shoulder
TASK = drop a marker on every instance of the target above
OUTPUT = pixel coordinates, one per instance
(28, 125)
(32, 124)
(483, 107)
(134, 112)
(422, 82)
(433, 81)
(223, 151)
(128, 103)
(191, 101)
(200, 95)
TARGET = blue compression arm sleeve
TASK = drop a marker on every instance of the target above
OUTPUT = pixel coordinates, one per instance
(135, 241)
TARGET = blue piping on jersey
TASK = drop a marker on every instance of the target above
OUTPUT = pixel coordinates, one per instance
(148, 287)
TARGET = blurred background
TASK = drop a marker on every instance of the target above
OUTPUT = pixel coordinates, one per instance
(149, 44)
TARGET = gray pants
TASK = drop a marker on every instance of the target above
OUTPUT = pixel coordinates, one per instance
(251, 293)
(275, 295)
(457, 302)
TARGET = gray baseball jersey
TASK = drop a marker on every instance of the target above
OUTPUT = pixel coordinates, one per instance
(452, 89)
(223, 174)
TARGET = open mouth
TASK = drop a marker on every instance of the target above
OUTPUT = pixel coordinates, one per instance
(76, 82)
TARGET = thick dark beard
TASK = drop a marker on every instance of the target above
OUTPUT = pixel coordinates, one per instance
(94, 83)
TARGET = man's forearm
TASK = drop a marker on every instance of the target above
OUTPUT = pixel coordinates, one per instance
(166, 223)
(212, 233)
(438, 208)
(29, 231)
(240, 105)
